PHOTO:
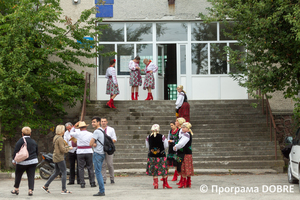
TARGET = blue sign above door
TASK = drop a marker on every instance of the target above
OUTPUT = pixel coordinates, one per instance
(105, 10)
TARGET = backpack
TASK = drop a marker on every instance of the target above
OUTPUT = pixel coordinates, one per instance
(23, 153)
(109, 146)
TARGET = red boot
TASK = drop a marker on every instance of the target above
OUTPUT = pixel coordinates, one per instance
(151, 97)
(112, 104)
(175, 176)
(155, 183)
(183, 183)
(148, 97)
(179, 181)
(165, 184)
(136, 95)
(132, 96)
(188, 182)
(109, 104)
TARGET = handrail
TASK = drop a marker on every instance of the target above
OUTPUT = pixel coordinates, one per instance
(272, 121)
(84, 97)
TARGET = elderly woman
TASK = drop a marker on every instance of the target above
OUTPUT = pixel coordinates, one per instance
(28, 164)
(157, 160)
(135, 77)
(184, 155)
(182, 106)
(60, 148)
(149, 78)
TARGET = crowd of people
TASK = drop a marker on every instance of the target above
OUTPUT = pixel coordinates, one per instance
(84, 149)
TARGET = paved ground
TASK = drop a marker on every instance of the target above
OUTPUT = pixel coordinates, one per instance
(218, 186)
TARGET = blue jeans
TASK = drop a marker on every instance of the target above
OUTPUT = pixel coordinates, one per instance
(98, 161)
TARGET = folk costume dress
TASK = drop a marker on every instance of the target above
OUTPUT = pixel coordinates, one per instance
(171, 158)
(111, 87)
(184, 154)
(157, 160)
(149, 78)
(135, 74)
(182, 106)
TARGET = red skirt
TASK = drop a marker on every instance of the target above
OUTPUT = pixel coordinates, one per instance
(184, 111)
(187, 168)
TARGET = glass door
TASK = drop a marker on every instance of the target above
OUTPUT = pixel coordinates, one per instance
(181, 64)
(161, 72)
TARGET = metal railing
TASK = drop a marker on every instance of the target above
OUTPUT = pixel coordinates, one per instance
(87, 85)
(272, 121)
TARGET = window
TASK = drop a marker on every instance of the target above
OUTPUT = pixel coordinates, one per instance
(226, 28)
(144, 51)
(112, 32)
(125, 53)
(204, 32)
(200, 58)
(104, 60)
(139, 31)
(218, 59)
(171, 32)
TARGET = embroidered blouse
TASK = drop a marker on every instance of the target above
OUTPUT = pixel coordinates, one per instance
(111, 71)
(151, 67)
(132, 65)
(180, 99)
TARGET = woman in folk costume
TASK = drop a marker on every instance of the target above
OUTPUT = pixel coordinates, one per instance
(178, 123)
(182, 106)
(184, 155)
(149, 79)
(112, 84)
(173, 139)
(157, 160)
(135, 77)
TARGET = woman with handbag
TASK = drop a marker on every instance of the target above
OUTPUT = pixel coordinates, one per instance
(29, 164)
(60, 148)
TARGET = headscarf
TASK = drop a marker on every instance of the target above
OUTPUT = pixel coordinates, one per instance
(188, 125)
(154, 129)
(181, 87)
(180, 120)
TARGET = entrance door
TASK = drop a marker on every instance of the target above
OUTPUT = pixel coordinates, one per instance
(181, 65)
(161, 72)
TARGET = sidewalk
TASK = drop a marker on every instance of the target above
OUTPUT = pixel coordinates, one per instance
(140, 187)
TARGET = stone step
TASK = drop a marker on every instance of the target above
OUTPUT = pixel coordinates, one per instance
(245, 154)
(204, 158)
(243, 164)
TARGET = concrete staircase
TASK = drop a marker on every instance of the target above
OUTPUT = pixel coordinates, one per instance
(228, 134)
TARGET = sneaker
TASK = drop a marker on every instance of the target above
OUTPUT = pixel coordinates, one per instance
(93, 185)
(112, 181)
(82, 185)
(45, 189)
(99, 194)
(66, 192)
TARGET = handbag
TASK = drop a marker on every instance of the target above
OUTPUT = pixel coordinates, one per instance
(23, 153)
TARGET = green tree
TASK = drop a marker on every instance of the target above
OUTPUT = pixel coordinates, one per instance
(270, 30)
(38, 47)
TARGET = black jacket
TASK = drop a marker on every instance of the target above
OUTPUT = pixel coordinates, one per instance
(32, 148)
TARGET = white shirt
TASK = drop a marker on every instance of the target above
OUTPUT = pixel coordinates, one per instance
(151, 67)
(111, 71)
(166, 144)
(110, 132)
(180, 99)
(132, 65)
(184, 138)
(67, 138)
(83, 140)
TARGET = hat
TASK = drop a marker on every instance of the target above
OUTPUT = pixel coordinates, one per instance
(82, 124)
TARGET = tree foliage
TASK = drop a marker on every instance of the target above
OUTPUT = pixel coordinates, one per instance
(38, 47)
(270, 30)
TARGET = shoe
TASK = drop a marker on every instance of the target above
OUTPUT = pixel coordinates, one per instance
(66, 192)
(45, 189)
(179, 181)
(188, 182)
(175, 176)
(151, 97)
(93, 185)
(112, 181)
(82, 185)
(104, 182)
(136, 96)
(165, 184)
(70, 183)
(109, 103)
(155, 183)
(132, 96)
(148, 97)
(112, 104)
(30, 193)
(16, 192)
(99, 194)
(183, 183)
